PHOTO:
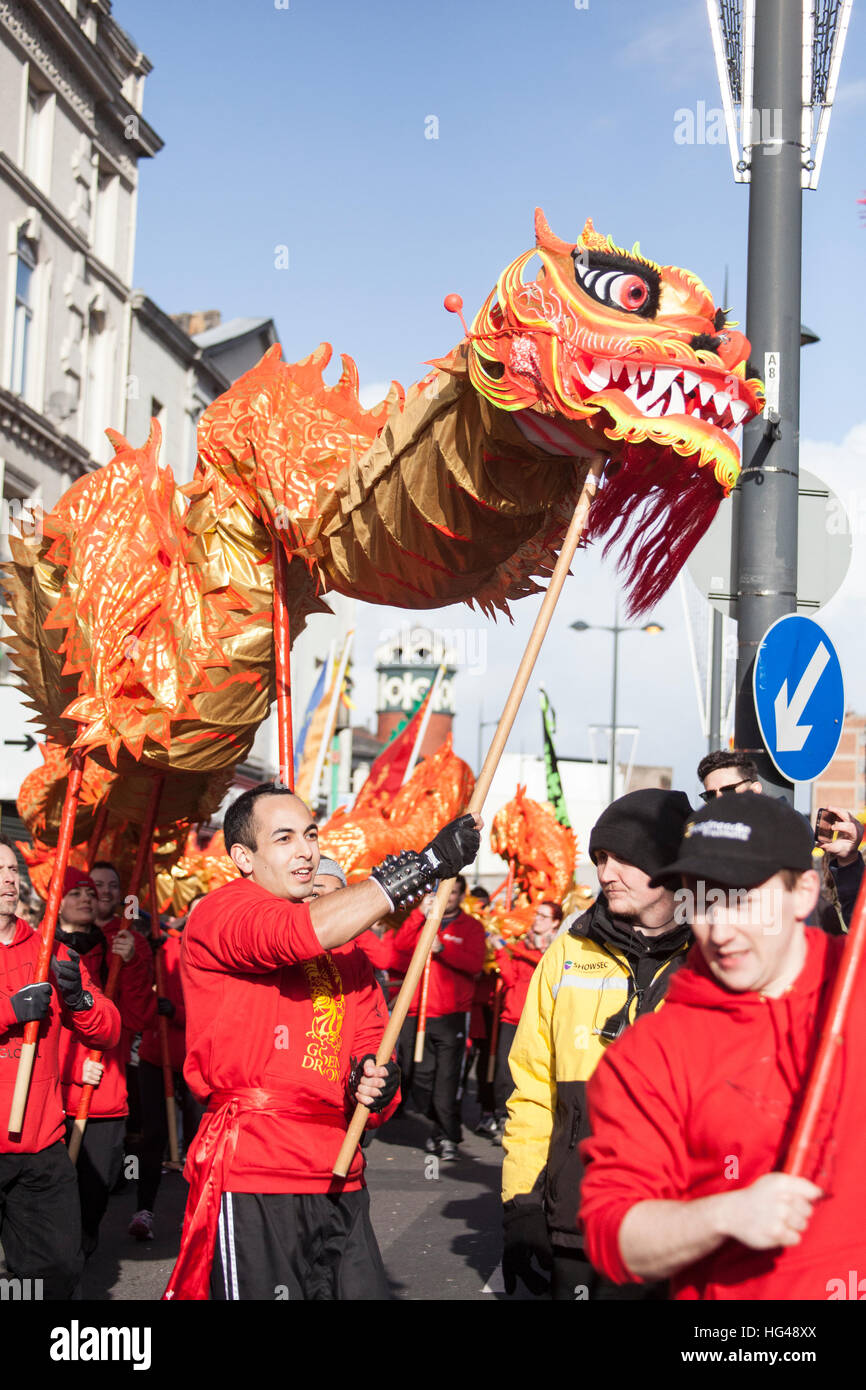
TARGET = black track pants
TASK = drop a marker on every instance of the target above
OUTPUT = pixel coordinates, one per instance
(299, 1246)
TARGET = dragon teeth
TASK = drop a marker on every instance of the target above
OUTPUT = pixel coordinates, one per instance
(721, 401)
(599, 377)
(690, 381)
(645, 374)
(631, 368)
(705, 390)
(615, 371)
(677, 404)
(662, 380)
(739, 410)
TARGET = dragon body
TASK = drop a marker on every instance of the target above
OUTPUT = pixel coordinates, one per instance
(144, 613)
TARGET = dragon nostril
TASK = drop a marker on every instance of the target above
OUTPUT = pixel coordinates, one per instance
(705, 342)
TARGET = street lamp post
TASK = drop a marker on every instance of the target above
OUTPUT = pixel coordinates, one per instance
(653, 629)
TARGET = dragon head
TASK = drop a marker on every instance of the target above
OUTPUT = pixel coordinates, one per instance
(636, 351)
(607, 351)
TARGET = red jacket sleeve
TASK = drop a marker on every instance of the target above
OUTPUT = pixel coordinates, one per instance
(636, 1152)
(463, 944)
(7, 1015)
(135, 998)
(98, 1027)
(251, 936)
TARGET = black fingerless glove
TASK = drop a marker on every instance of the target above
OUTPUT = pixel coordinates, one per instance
(67, 974)
(165, 1008)
(456, 845)
(411, 875)
(31, 1003)
(390, 1086)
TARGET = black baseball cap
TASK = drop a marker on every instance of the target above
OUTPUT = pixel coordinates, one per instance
(741, 841)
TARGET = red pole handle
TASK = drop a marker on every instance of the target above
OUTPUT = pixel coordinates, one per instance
(421, 1032)
(162, 1021)
(49, 925)
(832, 1037)
(282, 664)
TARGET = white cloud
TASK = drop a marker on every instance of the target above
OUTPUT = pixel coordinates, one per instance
(373, 394)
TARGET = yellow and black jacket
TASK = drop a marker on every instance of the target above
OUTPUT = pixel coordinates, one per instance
(588, 986)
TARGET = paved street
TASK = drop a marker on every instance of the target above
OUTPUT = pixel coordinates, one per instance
(438, 1224)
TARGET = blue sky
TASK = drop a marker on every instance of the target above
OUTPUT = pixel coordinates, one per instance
(305, 127)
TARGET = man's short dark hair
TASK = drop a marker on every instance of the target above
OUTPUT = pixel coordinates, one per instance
(105, 864)
(461, 879)
(480, 892)
(239, 821)
(4, 840)
(728, 757)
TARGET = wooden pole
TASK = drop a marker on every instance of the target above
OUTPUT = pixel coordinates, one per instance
(832, 1037)
(86, 1098)
(162, 1021)
(49, 925)
(282, 663)
(97, 833)
(476, 801)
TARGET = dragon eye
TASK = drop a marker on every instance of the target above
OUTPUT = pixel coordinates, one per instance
(617, 286)
(628, 292)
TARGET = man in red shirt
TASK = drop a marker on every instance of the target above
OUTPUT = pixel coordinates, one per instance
(458, 955)
(282, 1028)
(40, 1220)
(693, 1109)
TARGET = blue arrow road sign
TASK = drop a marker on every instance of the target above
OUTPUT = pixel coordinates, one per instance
(799, 697)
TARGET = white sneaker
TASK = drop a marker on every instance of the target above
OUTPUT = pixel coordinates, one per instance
(141, 1225)
(448, 1152)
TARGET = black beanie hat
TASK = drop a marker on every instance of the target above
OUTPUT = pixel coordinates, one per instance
(643, 828)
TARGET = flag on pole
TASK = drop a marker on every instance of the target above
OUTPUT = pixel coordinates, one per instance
(555, 793)
(312, 705)
(386, 774)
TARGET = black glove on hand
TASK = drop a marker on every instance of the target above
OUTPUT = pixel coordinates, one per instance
(165, 1008)
(526, 1237)
(67, 974)
(389, 1089)
(455, 846)
(31, 1003)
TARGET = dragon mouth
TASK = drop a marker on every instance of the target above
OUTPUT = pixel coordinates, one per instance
(656, 391)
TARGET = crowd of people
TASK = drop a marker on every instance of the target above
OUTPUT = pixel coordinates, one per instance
(641, 1063)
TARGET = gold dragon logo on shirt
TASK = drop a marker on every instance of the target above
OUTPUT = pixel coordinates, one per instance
(329, 1005)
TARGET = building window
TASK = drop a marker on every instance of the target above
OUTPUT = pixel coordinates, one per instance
(23, 321)
(37, 133)
(105, 213)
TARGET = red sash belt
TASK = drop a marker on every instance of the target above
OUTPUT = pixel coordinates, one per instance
(208, 1165)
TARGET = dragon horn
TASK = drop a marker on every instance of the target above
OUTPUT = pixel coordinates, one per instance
(546, 241)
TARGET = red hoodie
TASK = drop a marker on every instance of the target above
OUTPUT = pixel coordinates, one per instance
(702, 1097)
(136, 1004)
(516, 964)
(96, 1027)
(452, 970)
